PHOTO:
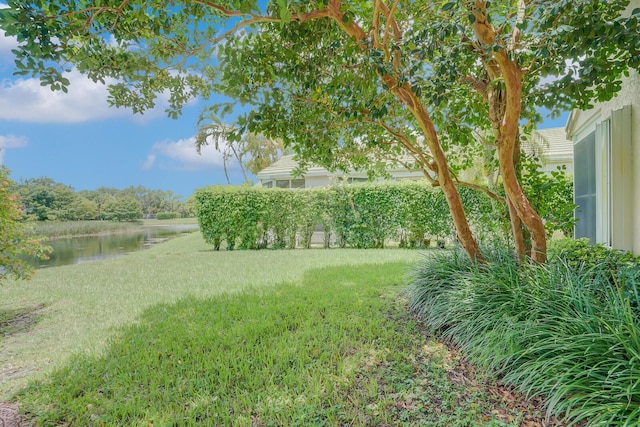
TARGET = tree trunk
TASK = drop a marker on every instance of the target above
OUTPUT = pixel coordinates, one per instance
(505, 105)
(517, 233)
(507, 145)
(406, 95)
(465, 236)
(514, 219)
(529, 217)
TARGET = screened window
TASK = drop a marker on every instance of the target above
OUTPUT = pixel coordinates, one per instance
(585, 187)
(297, 183)
(290, 183)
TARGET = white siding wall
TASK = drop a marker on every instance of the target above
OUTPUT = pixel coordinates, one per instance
(626, 183)
(625, 236)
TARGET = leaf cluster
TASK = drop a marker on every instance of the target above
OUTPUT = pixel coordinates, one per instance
(16, 240)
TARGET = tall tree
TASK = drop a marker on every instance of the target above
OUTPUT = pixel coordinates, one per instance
(252, 152)
(350, 82)
(122, 208)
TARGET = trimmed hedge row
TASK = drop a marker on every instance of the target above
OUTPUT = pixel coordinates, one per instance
(359, 215)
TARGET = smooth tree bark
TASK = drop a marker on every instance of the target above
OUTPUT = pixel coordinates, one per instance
(505, 104)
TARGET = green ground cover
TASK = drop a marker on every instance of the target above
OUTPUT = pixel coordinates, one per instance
(568, 330)
(243, 338)
(81, 304)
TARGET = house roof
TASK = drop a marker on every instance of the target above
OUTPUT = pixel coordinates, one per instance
(285, 165)
(552, 144)
(555, 145)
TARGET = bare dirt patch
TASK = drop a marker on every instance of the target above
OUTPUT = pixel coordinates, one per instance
(19, 320)
(9, 415)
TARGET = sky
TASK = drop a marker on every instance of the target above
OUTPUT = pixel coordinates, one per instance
(78, 140)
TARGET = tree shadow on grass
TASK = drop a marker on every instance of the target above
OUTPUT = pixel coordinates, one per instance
(19, 320)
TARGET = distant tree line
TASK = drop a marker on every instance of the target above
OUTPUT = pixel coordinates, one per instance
(44, 199)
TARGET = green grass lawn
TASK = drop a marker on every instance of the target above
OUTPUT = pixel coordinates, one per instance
(181, 335)
(82, 303)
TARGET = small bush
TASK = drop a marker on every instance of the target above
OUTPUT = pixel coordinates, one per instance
(167, 215)
(579, 254)
(557, 331)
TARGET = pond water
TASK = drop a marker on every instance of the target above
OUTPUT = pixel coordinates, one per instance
(77, 250)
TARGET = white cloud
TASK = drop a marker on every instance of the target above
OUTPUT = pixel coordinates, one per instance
(6, 44)
(25, 100)
(10, 141)
(149, 162)
(182, 154)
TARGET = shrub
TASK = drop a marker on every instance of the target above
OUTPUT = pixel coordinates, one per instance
(167, 215)
(360, 215)
(554, 331)
(579, 254)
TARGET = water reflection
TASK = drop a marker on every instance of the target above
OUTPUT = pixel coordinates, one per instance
(78, 250)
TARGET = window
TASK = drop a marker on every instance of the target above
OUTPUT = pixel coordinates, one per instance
(353, 180)
(290, 183)
(267, 184)
(603, 183)
(585, 187)
(297, 183)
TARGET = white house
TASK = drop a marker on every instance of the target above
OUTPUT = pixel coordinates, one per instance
(606, 141)
(281, 175)
(607, 160)
(555, 150)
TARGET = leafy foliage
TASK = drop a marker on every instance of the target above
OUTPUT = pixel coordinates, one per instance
(347, 84)
(551, 194)
(44, 199)
(553, 331)
(122, 209)
(15, 238)
(358, 215)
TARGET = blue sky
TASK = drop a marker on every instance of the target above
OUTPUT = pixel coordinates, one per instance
(78, 140)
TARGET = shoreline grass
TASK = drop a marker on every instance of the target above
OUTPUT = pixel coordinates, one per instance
(49, 230)
(174, 221)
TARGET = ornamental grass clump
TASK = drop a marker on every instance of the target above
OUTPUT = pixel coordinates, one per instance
(567, 333)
